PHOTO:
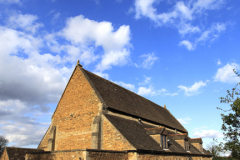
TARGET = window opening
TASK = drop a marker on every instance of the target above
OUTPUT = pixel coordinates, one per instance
(163, 141)
(165, 146)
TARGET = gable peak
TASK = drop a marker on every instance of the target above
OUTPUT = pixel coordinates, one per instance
(78, 63)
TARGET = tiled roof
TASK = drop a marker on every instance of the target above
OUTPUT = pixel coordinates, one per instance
(195, 140)
(153, 131)
(19, 153)
(134, 132)
(206, 152)
(123, 100)
(175, 147)
(193, 149)
(178, 136)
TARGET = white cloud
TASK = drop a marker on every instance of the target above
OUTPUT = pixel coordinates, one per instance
(82, 31)
(212, 33)
(182, 17)
(145, 8)
(208, 35)
(25, 22)
(219, 62)
(9, 1)
(56, 16)
(126, 85)
(187, 28)
(208, 134)
(26, 134)
(184, 120)
(33, 69)
(19, 128)
(113, 58)
(179, 12)
(84, 53)
(103, 75)
(149, 60)
(226, 74)
(187, 44)
(146, 80)
(144, 91)
(202, 5)
(171, 94)
(194, 89)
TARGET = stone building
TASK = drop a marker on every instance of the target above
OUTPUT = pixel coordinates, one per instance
(97, 119)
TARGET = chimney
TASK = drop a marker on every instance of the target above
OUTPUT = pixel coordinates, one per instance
(165, 106)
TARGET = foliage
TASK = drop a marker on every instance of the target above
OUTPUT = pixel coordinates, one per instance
(214, 149)
(3, 143)
(231, 121)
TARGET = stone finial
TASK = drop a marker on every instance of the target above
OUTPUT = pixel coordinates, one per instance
(165, 106)
(78, 63)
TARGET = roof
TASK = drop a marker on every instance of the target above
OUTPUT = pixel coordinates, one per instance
(179, 136)
(193, 149)
(19, 153)
(195, 140)
(137, 134)
(153, 131)
(134, 132)
(123, 100)
(206, 152)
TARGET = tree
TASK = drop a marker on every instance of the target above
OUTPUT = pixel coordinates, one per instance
(214, 149)
(3, 143)
(231, 121)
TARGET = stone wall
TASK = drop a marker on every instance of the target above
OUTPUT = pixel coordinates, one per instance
(106, 155)
(159, 157)
(64, 155)
(74, 115)
(77, 155)
(169, 157)
(4, 155)
(44, 143)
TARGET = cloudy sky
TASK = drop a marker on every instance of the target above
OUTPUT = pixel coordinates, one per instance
(175, 52)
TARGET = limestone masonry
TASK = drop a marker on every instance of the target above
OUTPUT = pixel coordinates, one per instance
(96, 119)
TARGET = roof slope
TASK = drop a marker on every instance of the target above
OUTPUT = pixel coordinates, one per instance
(193, 149)
(134, 132)
(175, 147)
(121, 99)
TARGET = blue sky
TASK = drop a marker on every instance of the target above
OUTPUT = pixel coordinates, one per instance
(178, 53)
